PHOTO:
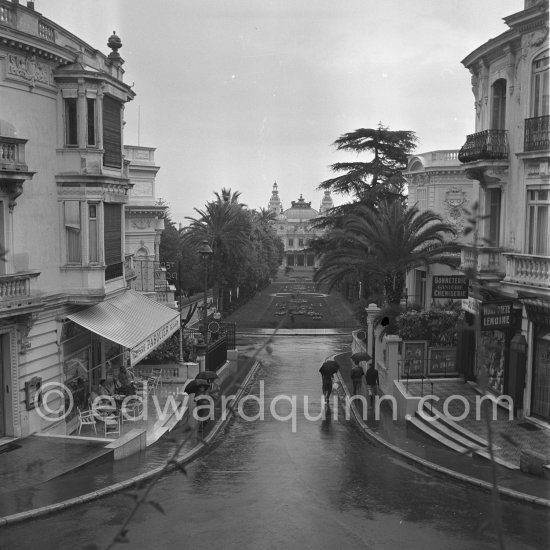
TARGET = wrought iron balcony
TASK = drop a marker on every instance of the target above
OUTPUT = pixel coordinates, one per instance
(528, 270)
(486, 145)
(537, 137)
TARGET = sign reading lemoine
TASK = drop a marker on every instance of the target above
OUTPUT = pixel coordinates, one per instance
(449, 286)
(496, 315)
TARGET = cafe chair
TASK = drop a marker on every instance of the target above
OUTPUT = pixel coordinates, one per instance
(153, 382)
(112, 425)
(132, 410)
(86, 418)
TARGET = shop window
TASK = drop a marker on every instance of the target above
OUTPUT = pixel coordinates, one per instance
(498, 120)
(492, 210)
(112, 132)
(71, 126)
(540, 387)
(540, 94)
(72, 231)
(538, 206)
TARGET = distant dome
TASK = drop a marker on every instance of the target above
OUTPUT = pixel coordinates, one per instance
(300, 210)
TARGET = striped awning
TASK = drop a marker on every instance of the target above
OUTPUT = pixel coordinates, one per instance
(131, 320)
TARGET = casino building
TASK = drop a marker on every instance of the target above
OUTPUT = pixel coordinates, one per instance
(294, 226)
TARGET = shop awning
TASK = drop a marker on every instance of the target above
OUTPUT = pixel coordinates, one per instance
(538, 310)
(131, 320)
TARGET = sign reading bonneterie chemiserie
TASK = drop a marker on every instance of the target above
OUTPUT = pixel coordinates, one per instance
(450, 286)
(496, 315)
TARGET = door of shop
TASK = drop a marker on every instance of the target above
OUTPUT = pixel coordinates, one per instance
(540, 387)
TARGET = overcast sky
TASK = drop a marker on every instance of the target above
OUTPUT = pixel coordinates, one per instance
(240, 93)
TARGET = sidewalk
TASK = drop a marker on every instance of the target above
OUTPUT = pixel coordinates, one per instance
(510, 438)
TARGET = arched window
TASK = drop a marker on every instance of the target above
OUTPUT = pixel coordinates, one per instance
(540, 96)
(498, 121)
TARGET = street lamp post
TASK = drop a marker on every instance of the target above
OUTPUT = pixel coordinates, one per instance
(205, 251)
(372, 310)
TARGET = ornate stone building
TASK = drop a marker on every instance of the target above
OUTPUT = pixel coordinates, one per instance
(294, 226)
(66, 313)
(436, 181)
(508, 159)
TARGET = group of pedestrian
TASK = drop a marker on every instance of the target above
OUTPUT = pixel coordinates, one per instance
(371, 377)
(357, 373)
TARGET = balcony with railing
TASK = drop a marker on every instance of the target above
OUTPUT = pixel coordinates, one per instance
(490, 262)
(537, 136)
(528, 270)
(17, 292)
(485, 145)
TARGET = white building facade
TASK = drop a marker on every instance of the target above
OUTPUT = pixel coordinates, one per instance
(436, 181)
(508, 159)
(66, 314)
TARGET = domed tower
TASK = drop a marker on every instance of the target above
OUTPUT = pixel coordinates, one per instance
(326, 203)
(275, 204)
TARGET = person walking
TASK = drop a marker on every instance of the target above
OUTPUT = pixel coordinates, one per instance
(356, 377)
(372, 382)
(327, 386)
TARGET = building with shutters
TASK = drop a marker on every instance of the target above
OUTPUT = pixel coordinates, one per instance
(507, 158)
(294, 226)
(67, 316)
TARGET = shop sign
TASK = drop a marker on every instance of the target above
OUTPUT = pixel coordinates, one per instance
(471, 305)
(448, 286)
(496, 315)
(151, 342)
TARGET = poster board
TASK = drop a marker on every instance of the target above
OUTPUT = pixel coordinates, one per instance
(442, 362)
(414, 358)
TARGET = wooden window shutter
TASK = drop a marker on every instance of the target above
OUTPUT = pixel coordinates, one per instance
(112, 133)
(113, 233)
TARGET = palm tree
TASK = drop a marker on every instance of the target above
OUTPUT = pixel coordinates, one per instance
(224, 223)
(383, 243)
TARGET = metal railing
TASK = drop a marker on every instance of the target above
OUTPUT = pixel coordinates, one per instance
(114, 271)
(537, 136)
(217, 354)
(425, 368)
(485, 145)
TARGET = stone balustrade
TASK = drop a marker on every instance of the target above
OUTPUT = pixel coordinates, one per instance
(528, 270)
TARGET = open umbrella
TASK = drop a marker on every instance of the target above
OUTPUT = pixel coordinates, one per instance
(194, 385)
(206, 375)
(329, 367)
(360, 356)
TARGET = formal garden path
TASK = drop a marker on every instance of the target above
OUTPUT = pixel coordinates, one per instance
(294, 304)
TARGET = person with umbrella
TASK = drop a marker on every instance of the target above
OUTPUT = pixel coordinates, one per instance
(357, 371)
(327, 370)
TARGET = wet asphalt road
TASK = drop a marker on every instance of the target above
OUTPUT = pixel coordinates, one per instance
(267, 486)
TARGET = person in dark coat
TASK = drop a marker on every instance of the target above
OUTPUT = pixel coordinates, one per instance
(356, 377)
(327, 386)
(372, 382)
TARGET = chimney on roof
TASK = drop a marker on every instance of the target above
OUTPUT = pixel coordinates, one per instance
(30, 5)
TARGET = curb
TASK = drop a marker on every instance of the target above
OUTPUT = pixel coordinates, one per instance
(185, 459)
(518, 495)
